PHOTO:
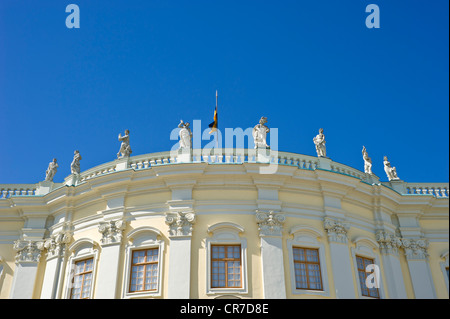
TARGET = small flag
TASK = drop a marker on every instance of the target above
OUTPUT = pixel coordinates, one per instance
(214, 124)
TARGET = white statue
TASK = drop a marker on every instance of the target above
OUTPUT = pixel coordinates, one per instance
(367, 162)
(51, 170)
(260, 134)
(185, 136)
(391, 172)
(125, 149)
(319, 141)
(75, 165)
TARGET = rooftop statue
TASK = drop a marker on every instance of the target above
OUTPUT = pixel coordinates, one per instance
(51, 170)
(367, 162)
(185, 136)
(391, 172)
(125, 149)
(75, 165)
(319, 141)
(260, 134)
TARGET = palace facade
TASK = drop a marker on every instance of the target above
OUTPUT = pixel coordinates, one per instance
(213, 226)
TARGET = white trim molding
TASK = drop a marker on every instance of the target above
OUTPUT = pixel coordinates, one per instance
(142, 238)
(366, 247)
(81, 249)
(226, 233)
(308, 237)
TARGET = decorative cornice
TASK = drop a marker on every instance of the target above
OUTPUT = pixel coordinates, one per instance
(180, 223)
(336, 230)
(270, 223)
(28, 251)
(111, 231)
(57, 243)
(389, 243)
(415, 248)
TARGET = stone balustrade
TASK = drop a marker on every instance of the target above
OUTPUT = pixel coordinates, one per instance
(222, 156)
(434, 189)
(8, 190)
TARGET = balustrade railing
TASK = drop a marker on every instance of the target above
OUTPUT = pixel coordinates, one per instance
(222, 156)
(8, 190)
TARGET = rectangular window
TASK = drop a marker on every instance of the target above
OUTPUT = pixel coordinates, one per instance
(82, 280)
(226, 266)
(362, 263)
(144, 270)
(307, 268)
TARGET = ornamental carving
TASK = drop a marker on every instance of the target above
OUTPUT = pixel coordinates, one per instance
(389, 243)
(180, 224)
(57, 243)
(270, 223)
(111, 231)
(415, 248)
(336, 230)
(28, 250)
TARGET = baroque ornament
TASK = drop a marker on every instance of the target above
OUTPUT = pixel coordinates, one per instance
(336, 230)
(111, 231)
(270, 223)
(389, 243)
(180, 224)
(28, 250)
(415, 248)
(56, 244)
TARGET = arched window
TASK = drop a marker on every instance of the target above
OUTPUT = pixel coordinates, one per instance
(143, 263)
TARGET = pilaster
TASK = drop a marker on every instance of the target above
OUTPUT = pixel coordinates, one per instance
(270, 226)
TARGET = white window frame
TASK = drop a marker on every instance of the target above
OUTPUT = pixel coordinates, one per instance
(139, 239)
(81, 249)
(444, 264)
(366, 247)
(305, 236)
(226, 234)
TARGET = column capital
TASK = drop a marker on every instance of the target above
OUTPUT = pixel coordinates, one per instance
(111, 231)
(28, 251)
(415, 248)
(180, 223)
(270, 223)
(57, 243)
(336, 230)
(389, 242)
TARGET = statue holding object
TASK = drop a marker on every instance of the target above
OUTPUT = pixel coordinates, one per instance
(367, 162)
(51, 170)
(260, 134)
(185, 136)
(319, 141)
(391, 172)
(125, 149)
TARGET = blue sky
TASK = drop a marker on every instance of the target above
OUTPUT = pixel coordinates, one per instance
(144, 65)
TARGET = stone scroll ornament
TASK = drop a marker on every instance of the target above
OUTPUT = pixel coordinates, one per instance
(270, 223)
(111, 231)
(180, 224)
(336, 230)
(28, 250)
